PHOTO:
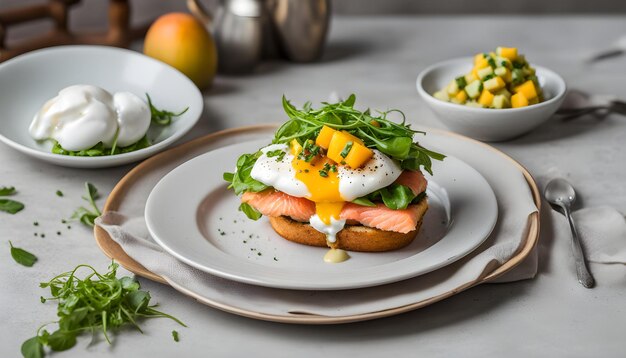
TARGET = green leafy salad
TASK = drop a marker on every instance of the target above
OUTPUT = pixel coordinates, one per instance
(338, 135)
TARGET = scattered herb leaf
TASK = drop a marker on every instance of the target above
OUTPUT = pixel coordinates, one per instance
(175, 336)
(84, 215)
(59, 193)
(346, 149)
(7, 190)
(22, 256)
(11, 206)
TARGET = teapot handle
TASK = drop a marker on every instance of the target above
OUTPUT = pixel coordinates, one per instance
(200, 12)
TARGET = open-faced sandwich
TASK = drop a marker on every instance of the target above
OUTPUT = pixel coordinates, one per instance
(338, 177)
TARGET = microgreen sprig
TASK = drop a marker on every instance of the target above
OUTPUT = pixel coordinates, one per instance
(85, 215)
(95, 302)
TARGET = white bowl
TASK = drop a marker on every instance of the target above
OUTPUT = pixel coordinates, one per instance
(27, 81)
(484, 123)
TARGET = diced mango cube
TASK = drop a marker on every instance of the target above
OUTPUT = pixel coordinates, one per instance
(494, 84)
(527, 89)
(461, 97)
(339, 142)
(296, 148)
(507, 52)
(478, 58)
(358, 155)
(519, 100)
(486, 98)
(323, 139)
(481, 63)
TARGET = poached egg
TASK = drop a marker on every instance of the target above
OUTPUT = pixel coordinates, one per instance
(81, 116)
(328, 185)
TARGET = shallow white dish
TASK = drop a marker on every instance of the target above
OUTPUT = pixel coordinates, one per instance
(27, 81)
(484, 123)
(192, 216)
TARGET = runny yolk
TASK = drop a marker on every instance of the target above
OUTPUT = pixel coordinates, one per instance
(324, 189)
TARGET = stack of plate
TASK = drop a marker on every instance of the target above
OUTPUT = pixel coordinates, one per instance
(193, 217)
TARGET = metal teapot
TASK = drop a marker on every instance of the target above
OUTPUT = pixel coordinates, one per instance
(246, 31)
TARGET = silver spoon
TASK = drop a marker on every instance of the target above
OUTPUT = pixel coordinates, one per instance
(560, 192)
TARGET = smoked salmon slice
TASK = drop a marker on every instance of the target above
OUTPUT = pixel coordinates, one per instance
(276, 203)
(381, 217)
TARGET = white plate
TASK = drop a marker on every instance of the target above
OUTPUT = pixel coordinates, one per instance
(192, 216)
(27, 81)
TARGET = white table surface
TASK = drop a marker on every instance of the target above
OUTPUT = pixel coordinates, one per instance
(378, 58)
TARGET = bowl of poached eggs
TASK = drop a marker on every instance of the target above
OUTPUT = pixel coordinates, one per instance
(87, 106)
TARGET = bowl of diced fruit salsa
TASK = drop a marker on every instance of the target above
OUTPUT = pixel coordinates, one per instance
(492, 96)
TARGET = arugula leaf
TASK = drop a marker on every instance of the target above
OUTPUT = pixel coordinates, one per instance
(100, 150)
(395, 197)
(22, 256)
(393, 139)
(11, 206)
(7, 190)
(32, 348)
(250, 212)
(241, 181)
(162, 117)
(96, 302)
(84, 215)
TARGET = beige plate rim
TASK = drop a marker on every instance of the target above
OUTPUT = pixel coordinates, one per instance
(112, 250)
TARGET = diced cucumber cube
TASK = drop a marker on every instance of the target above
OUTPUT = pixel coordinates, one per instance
(461, 82)
(442, 95)
(474, 89)
(500, 71)
(503, 92)
(504, 62)
(474, 104)
(500, 101)
(518, 77)
(452, 88)
(484, 72)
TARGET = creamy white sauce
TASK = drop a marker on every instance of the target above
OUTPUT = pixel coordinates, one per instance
(81, 116)
(330, 230)
(334, 256)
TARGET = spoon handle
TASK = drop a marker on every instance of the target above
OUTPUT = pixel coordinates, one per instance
(584, 276)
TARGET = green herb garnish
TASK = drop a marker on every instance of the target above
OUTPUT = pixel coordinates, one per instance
(22, 256)
(8, 205)
(85, 215)
(162, 117)
(346, 149)
(276, 153)
(461, 82)
(393, 139)
(241, 181)
(11, 206)
(309, 151)
(250, 212)
(7, 190)
(99, 149)
(175, 336)
(95, 302)
(59, 193)
(395, 196)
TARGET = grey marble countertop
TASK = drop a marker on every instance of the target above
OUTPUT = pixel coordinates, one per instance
(378, 58)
